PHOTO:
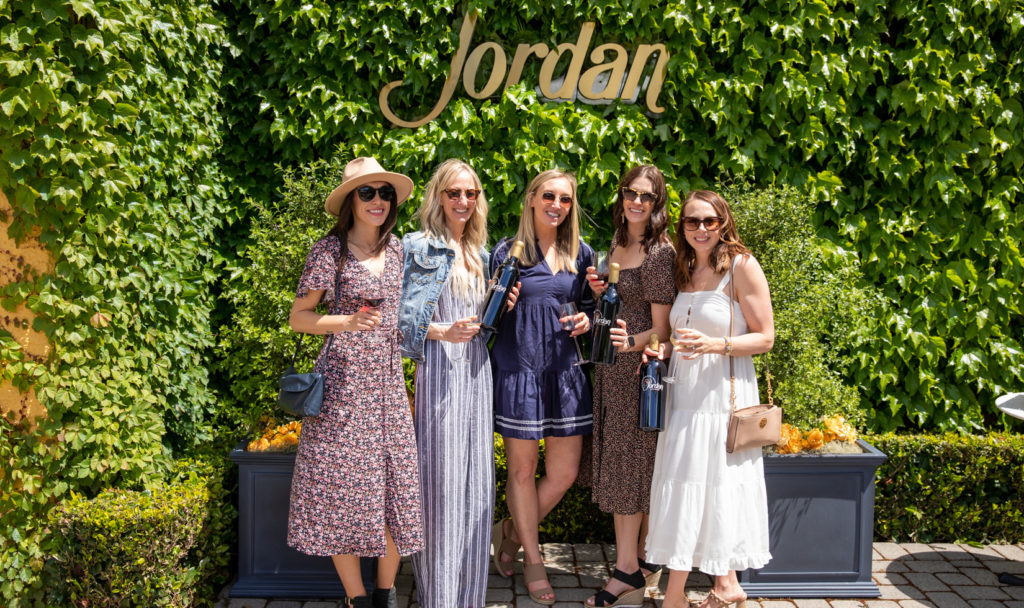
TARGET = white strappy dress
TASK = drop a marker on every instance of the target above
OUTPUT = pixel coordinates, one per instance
(709, 509)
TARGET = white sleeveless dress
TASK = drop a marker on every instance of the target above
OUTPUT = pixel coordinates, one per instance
(709, 509)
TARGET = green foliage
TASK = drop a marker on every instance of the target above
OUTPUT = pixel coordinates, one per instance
(108, 128)
(127, 548)
(816, 303)
(950, 488)
(899, 117)
(210, 556)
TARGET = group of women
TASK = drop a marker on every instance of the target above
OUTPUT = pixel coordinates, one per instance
(371, 481)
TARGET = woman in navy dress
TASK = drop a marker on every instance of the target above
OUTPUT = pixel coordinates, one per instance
(538, 392)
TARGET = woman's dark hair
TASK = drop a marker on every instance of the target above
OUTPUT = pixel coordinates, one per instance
(346, 219)
(657, 224)
(729, 243)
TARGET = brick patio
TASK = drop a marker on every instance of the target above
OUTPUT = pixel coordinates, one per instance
(909, 575)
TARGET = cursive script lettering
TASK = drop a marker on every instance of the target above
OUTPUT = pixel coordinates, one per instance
(601, 83)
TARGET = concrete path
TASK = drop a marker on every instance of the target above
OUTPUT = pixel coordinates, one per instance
(908, 575)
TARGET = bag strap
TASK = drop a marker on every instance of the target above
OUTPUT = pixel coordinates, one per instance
(334, 306)
(732, 373)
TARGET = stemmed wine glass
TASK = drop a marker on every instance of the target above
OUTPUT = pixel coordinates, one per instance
(601, 265)
(568, 309)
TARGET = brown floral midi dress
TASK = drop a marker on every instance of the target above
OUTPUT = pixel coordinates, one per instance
(356, 468)
(623, 455)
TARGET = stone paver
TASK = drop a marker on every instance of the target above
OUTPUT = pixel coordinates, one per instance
(910, 575)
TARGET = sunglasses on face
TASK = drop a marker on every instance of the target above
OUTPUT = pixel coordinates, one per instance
(455, 194)
(386, 192)
(550, 197)
(631, 195)
(710, 223)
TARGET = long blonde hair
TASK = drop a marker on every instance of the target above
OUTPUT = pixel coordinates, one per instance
(567, 241)
(465, 283)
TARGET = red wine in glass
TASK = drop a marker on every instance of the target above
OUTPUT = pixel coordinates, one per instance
(372, 302)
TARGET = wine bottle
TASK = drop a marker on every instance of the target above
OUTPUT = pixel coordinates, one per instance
(652, 393)
(497, 294)
(603, 351)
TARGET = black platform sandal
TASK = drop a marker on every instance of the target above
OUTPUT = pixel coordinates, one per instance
(363, 601)
(633, 597)
(385, 598)
(654, 570)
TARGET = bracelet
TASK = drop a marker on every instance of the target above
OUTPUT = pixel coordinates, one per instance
(728, 347)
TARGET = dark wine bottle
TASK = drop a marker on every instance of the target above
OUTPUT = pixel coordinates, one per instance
(497, 294)
(652, 393)
(603, 351)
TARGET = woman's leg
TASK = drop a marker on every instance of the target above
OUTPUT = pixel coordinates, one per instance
(387, 564)
(675, 591)
(728, 590)
(350, 574)
(627, 532)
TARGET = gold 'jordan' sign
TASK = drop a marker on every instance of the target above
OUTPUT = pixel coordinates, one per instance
(615, 78)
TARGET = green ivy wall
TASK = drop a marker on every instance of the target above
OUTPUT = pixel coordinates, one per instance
(905, 118)
(109, 122)
(131, 134)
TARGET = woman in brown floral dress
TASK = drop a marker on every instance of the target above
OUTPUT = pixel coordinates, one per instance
(355, 490)
(623, 455)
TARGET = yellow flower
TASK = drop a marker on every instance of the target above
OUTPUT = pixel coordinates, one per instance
(839, 429)
(813, 440)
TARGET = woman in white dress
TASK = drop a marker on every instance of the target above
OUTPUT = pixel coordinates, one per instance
(708, 508)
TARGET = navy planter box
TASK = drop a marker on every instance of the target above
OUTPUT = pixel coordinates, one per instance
(267, 566)
(821, 511)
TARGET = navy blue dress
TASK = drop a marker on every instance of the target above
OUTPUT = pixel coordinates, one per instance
(537, 391)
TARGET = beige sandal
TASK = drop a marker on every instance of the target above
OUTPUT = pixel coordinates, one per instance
(533, 573)
(500, 544)
(714, 600)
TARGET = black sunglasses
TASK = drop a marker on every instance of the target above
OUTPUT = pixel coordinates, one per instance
(455, 194)
(386, 192)
(550, 196)
(630, 195)
(710, 223)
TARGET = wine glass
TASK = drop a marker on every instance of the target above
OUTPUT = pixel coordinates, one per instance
(372, 299)
(568, 309)
(601, 265)
(677, 342)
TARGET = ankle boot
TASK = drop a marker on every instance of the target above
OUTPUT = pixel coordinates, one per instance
(363, 601)
(385, 598)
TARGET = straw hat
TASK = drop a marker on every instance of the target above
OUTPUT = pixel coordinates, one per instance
(361, 171)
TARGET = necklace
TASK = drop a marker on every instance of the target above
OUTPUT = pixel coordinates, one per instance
(362, 248)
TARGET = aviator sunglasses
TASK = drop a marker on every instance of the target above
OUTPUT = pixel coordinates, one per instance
(455, 194)
(631, 195)
(710, 223)
(550, 196)
(386, 192)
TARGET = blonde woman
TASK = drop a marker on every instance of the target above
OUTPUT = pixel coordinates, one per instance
(443, 285)
(539, 393)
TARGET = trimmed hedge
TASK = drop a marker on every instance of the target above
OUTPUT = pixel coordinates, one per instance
(165, 546)
(950, 488)
(932, 488)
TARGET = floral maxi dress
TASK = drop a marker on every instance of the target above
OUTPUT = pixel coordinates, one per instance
(356, 469)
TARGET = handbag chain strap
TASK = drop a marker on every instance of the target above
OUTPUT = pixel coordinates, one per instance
(732, 372)
(334, 306)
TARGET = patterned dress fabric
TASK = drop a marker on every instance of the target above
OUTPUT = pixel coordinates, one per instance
(455, 437)
(709, 508)
(537, 391)
(356, 469)
(622, 454)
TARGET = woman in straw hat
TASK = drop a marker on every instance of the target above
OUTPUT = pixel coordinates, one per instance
(354, 490)
(443, 286)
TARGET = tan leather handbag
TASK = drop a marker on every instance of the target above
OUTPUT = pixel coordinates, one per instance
(758, 425)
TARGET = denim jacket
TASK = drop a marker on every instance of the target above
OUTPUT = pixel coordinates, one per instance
(428, 262)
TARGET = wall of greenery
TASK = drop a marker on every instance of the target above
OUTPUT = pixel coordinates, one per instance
(901, 117)
(135, 136)
(109, 123)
